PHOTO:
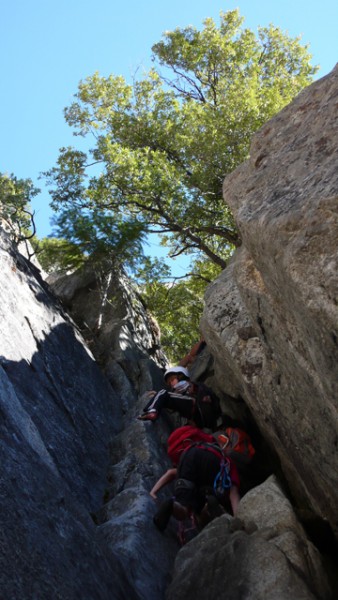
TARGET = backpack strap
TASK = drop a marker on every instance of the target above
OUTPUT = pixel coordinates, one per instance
(212, 447)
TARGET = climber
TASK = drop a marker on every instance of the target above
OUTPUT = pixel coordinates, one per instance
(193, 401)
(178, 441)
(201, 466)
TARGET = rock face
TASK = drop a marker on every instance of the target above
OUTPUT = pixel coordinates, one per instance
(122, 335)
(125, 341)
(271, 318)
(70, 456)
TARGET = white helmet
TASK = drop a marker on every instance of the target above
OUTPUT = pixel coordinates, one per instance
(178, 369)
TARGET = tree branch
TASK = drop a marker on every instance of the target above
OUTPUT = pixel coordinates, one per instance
(197, 95)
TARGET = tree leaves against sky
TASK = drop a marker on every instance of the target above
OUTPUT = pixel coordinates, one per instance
(161, 146)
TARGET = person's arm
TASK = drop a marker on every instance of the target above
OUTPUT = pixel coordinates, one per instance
(234, 498)
(190, 357)
(166, 478)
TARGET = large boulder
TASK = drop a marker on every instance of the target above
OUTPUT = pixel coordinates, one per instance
(263, 553)
(271, 318)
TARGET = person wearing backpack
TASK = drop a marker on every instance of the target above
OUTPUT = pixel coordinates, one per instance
(193, 401)
(179, 440)
(201, 472)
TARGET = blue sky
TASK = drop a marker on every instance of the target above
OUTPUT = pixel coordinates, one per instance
(48, 46)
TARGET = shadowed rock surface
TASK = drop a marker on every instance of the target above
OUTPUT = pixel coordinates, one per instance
(61, 419)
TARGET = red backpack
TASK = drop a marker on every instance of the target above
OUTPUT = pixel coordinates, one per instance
(236, 444)
(183, 437)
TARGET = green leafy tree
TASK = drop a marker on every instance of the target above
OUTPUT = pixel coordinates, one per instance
(177, 304)
(178, 310)
(90, 235)
(160, 149)
(57, 254)
(163, 145)
(15, 208)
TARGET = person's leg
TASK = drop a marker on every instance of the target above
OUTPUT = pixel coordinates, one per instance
(180, 403)
(153, 409)
(193, 474)
(180, 512)
(162, 517)
(186, 492)
(167, 509)
(199, 467)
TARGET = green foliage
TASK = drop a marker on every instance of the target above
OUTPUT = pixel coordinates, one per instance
(178, 310)
(160, 149)
(152, 269)
(177, 305)
(103, 234)
(90, 235)
(15, 197)
(163, 145)
(57, 255)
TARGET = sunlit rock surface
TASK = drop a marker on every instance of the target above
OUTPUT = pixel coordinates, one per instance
(271, 317)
